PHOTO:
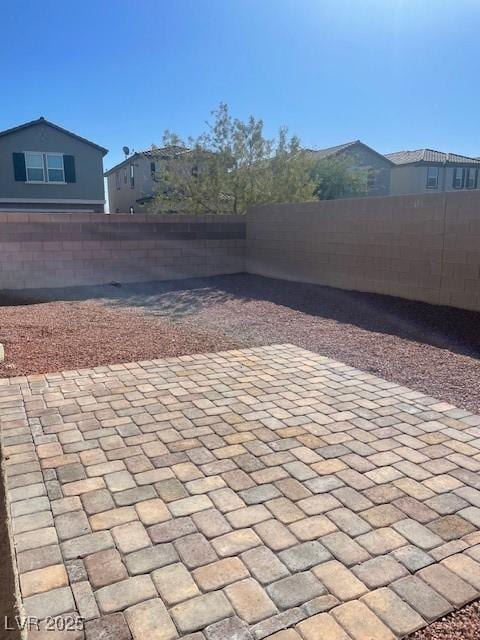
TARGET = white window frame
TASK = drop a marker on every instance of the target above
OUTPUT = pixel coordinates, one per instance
(132, 176)
(47, 154)
(45, 167)
(27, 167)
(471, 171)
(459, 171)
(432, 186)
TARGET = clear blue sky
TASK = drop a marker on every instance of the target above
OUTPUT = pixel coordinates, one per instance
(395, 73)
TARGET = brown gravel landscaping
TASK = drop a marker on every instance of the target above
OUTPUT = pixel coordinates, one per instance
(433, 349)
(55, 336)
(460, 625)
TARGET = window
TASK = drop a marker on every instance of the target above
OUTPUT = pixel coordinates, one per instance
(472, 177)
(125, 179)
(371, 179)
(132, 176)
(55, 168)
(34, 167)
(44, 167)
(117, 179)
(152, 167)
(432, 177)
(458, 178)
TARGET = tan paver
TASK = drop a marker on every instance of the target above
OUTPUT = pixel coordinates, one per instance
(339, 580)
(236, 493)
(361, 623)
(322, 626)
(42, 580)
(175, 584)
(393, 611)
(250, 601)
(150, 620)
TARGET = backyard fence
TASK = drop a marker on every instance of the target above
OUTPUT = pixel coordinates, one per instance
(59, 250)
(423, 247)
(418, 247)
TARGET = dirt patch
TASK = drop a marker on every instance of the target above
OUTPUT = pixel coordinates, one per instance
(8, 609)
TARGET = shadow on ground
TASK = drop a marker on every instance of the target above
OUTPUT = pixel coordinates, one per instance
(444, 327)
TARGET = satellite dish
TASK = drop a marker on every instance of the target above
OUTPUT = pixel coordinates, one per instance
(126, 151)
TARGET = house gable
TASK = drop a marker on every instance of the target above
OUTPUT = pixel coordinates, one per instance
(79, 182)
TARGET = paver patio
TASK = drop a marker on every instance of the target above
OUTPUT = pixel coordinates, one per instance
(238, 495)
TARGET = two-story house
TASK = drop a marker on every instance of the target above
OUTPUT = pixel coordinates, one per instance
(427, 170)
(133, 183)
(363, 161)
(45, 168)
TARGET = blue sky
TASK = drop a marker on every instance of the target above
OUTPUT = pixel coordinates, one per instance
(398, 74)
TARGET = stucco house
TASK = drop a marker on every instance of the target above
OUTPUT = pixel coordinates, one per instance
(45, 168)
(133, 183)
(427, 170)
(363, 160)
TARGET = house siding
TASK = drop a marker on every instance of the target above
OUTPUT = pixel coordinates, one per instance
(44, 138)
(411, 179)
(121, 199)
(361, 159)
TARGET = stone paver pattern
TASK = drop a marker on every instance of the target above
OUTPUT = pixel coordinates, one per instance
(265, 492)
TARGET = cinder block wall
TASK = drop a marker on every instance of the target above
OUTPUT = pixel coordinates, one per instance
(419, 247)
(58, 250)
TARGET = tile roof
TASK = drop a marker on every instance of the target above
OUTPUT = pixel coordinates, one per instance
(429, 155)
(42, 120)
(332, 151)
(169, 151)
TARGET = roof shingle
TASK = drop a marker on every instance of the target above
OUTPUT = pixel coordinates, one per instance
(429, 155)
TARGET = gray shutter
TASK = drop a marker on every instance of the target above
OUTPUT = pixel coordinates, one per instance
(69, 166)
(19, 168)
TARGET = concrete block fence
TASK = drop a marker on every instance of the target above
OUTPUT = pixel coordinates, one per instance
(59, 250)
(423, 247)
(418, 247)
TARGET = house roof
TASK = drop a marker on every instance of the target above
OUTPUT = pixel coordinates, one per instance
(154, 152)
(429, 156)
(43, 121)
(332, 151)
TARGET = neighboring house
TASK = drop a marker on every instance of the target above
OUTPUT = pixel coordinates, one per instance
(426, 170)
(365, 161)
(45, 168)
(133, 183)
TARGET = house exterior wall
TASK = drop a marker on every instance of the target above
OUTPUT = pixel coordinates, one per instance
(44, 138)
(123, 196)
(412, 179)
(362, 159)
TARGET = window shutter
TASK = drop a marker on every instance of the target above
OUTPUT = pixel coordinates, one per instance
(19, 167)
(69, 166)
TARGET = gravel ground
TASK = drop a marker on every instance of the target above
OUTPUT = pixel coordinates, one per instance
(55, 336)
(433, 349)
(461, 625)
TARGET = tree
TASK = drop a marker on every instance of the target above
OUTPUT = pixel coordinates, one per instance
(336, 178)
(232, 166)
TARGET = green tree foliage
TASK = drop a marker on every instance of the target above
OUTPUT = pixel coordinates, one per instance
(233, 166)
(335, 178)
(230, 167)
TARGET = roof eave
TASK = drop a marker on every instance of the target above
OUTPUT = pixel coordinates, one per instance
(33, 123)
